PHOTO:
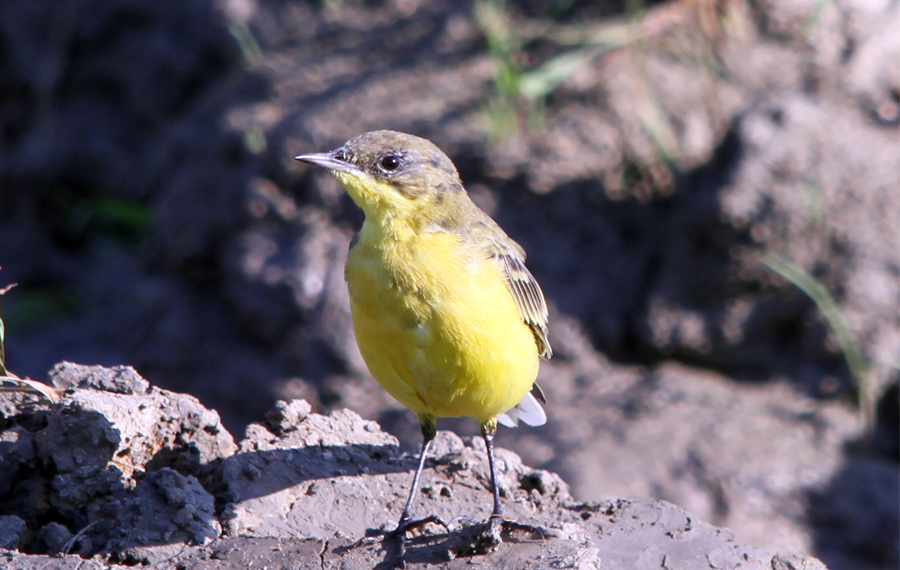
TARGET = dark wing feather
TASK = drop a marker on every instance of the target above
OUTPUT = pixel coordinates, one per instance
(538, 393)
(526, 293)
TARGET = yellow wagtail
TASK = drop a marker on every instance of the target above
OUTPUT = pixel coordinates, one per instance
(447, 318)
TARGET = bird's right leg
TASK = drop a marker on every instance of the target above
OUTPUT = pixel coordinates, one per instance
(406, 523)
(429, 430)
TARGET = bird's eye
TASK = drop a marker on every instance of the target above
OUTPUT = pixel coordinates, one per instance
(339, 155)
(390, 162)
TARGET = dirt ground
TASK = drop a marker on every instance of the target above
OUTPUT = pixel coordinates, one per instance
(685, 193)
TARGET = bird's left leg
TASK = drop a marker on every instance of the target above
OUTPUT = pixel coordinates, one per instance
(488, 430)
(497, 522)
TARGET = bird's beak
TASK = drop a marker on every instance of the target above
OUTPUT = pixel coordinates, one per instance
(327, 160)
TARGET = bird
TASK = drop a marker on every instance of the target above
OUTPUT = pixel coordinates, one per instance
(447, 318)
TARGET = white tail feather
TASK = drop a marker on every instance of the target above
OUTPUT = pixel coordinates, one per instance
(529, 410)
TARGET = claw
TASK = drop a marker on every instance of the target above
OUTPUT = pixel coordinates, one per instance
(399, 534)
(537, 532)
(484, 537)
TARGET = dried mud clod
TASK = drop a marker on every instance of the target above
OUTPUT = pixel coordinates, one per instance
(121, 472)
(114, 465)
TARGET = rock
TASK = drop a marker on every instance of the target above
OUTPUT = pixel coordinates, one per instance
(118, 467)
(11, 528)
(304, 497)
(119, 379)
(55, 537)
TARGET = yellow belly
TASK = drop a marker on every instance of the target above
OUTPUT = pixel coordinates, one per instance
(439, 329)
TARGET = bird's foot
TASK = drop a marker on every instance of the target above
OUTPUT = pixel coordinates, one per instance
(397, 537)
(484, 537)
(510, 526)
(468, 540)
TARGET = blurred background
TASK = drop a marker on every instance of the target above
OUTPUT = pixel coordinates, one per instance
(708, 190)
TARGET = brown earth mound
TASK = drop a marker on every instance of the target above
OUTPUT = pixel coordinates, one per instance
(126, 474)
(697, 154)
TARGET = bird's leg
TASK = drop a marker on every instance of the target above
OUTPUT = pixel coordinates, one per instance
(429, 430)
(488, 430)
(406, 523)
(497, 522)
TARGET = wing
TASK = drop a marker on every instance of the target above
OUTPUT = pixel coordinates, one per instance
(526, 293)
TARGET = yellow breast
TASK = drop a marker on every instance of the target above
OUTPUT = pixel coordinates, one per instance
(438, 327)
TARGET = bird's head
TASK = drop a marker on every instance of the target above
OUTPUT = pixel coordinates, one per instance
(394, 175)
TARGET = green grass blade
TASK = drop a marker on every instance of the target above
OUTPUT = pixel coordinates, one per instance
(814, 289)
